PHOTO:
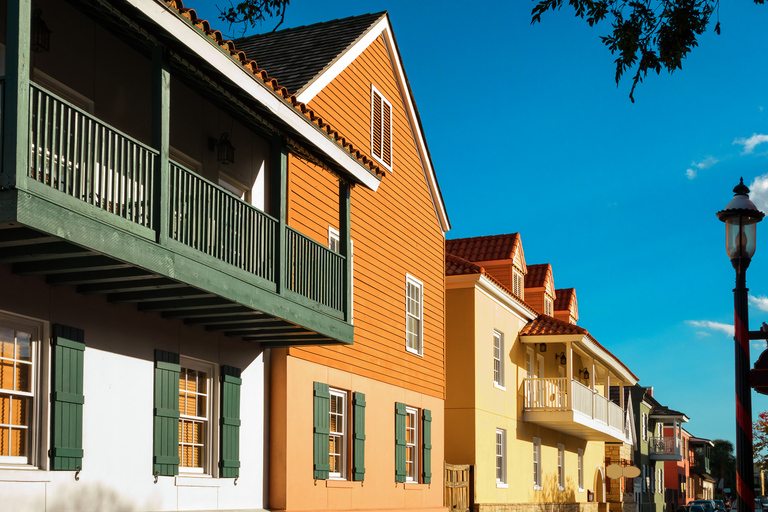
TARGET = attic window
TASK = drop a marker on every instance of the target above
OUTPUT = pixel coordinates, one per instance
(381, 128)
(547, 307)
(517, 284)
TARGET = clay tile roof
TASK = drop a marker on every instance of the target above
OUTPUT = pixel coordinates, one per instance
(563, 298)
(296, 56)
(456, 266)
(537, 275)
(484, 248)
(271, 82)
(546, 325)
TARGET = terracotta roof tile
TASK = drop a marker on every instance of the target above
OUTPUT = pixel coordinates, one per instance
(249, 64)
(455, 266)
(563, 298)
(545, 325)
(296, 56)
(484, 248)
(536, 277)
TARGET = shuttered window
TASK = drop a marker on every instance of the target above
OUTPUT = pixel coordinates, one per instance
(321, 427)
(230, 422)
(381, 128)
(67, 398)
(358, 445)
(400, 467)
(165, 446)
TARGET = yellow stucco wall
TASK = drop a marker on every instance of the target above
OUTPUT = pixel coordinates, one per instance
(475, 408)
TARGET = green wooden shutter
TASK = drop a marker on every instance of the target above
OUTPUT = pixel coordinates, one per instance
(322, 428)
(67, 398)
(399, 442)
(358, 445)
(426, 460)
(165, 460)
(230, 422)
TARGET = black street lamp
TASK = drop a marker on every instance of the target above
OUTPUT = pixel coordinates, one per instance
(741, 217)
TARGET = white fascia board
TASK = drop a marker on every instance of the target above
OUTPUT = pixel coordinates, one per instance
(383, 27)
(208, 50)
(490, 290)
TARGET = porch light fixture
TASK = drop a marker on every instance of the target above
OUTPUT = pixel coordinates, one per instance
(741, 217)
(561, 357)
(225, 152)
(542, 347)
(40, 36)
(585, 373)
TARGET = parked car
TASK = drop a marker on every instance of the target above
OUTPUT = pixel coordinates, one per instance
(720, 505)
(707, 505)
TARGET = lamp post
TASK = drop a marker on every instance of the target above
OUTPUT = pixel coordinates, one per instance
(741, 217)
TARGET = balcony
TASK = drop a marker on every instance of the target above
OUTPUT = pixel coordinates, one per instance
(587, 414)
(91, 207)
(664, 448)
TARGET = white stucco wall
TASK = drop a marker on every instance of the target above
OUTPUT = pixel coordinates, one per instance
(118, 410)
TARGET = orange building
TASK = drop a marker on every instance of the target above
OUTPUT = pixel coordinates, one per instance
(360, 426)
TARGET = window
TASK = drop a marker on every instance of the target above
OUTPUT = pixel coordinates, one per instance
(333, 244)
(18, 375)
(194, 421)
(517, 284)
(411, 445)
(337, 437)
(529, 363)
(501, 464)
(333, 239)
(581, 469)
(645, 427)
(381, 128)
(560, 467)
(537, 463)
(414, 308)
(498, 359)
(548, 306)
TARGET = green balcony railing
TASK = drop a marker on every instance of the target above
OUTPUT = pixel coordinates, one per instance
(314, 271)
(77, 154)
(213, 221)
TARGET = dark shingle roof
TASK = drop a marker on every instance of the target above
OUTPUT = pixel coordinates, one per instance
(295, 56)
(484, 248)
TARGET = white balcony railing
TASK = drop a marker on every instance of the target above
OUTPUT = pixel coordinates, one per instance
(601, 408)
(582, 398)
(615, 416)
(663, 445)
(548, 394)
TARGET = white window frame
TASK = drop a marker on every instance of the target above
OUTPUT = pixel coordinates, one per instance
(547, 306)
(560, 467)
(529, 363)
(410, 411)
(581, 470)
(380, 159)
(419, 349)
(537, 464)
(645, 427)
(334, 238)
(36, 417)
(210, 452)
(517, 283)
(501, 458)
(343, 434)
(498, 360)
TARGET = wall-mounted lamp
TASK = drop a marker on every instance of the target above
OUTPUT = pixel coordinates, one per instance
(542, 347)
(40, 37)
(225, 152)
(585, 373)
(561, 357)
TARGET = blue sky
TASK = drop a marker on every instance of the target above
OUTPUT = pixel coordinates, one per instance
(529, 133)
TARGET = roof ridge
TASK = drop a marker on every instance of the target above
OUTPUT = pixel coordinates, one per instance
(312, 25)
(251, 65)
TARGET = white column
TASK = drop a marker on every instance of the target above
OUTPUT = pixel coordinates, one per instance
(569, 375)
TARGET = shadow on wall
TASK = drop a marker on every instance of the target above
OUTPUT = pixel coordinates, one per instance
(551, 492)
(91, 497)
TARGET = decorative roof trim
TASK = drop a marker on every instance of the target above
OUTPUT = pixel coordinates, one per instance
(384, 28)
(209, 45)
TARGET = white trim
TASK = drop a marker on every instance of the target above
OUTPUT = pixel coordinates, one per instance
(375, 92)
(343, 434)
(207, 49)
(498, 335)
(503, 481)
(419, 350)
(537, 483)
(210, 432)
(416, 444)
(580, 470)
(333, 236)
(383, 28)
(560, 467)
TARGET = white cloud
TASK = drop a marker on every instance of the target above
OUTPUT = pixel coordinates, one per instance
(750, 143)
(690, 173)
(758, 193)
(703, 334)
(713, 326)
(759, 301)
(708, 162)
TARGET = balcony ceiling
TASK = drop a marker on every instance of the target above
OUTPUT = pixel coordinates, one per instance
(575, 424)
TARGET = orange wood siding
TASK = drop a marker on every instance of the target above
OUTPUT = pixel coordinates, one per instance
(535, 298)
(502, 273)
(394, 231)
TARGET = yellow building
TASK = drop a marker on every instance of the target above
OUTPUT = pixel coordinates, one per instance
(528, 402)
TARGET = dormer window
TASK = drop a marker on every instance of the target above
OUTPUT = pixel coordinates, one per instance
(547, 306)
(517, 283)
(381, 128)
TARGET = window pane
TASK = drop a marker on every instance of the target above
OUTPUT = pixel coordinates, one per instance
(5, 410)
(6, 375)
(6, 343)
(4, 435)
(19, 411)
(19, 442)
(201, 409)
(23, 346)
(23, 377)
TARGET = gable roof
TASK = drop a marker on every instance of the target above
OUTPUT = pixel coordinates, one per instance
(485, 248)
(360, 34)
(299, 55)
(536, 275)
(238, 57)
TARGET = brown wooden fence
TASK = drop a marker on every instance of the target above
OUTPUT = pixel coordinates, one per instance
(457, 487)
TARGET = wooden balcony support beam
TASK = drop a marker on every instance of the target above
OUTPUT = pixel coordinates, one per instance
(98, 276)
(178, 305)
(250, 325)
(42, 252)
(242, 318)
(253, 334)
(23, 236)
(67, 265)
(224, 309)
(129, 286)
(157, 295)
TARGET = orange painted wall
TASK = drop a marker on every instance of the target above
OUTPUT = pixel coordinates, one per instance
(395, 231)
